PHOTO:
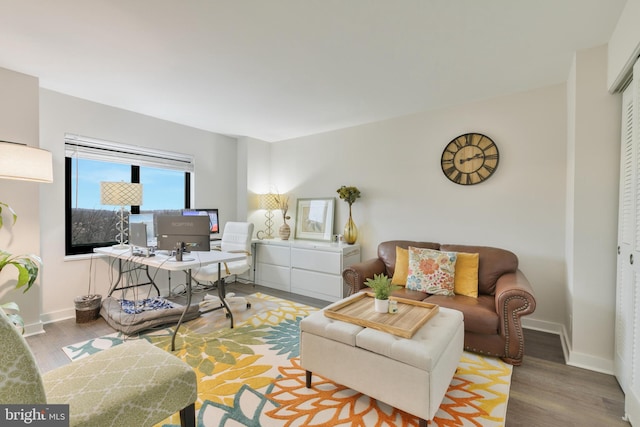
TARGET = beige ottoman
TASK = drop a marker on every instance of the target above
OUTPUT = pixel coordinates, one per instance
(412, 375)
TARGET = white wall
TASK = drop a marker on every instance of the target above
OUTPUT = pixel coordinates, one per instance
(19, 123)
(215, 185)
(258, 169)
(405, 195)
(593, 175)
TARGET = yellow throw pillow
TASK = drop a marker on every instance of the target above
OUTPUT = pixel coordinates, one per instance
(402, 267)
(466, 278)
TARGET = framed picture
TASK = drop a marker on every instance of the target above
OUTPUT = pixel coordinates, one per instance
(314, 219)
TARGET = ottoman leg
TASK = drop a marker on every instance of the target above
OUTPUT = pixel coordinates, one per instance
(308, 378)
(423, 423)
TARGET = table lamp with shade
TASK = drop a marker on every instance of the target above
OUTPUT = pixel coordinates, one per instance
(121, 194)
(269, 203)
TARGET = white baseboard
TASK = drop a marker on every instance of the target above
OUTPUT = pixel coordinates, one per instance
(572, 358)
(587, 361)
(542, 326)
(56, 316)
(33, 329)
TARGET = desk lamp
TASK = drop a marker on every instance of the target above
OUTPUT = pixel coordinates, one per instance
(268, 201)
(121, 194)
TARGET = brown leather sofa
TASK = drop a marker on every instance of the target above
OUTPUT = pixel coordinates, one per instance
(491, 321)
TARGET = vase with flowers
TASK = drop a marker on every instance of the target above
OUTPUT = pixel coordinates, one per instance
(282, 200)
(349, 195)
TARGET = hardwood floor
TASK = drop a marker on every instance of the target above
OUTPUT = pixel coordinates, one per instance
(544, 391)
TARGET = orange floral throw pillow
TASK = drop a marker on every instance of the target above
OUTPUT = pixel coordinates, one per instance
(431, 271)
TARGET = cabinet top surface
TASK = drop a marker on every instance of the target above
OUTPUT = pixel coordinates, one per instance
(308, 244)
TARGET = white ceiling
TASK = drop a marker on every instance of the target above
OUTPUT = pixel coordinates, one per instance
(279, 69)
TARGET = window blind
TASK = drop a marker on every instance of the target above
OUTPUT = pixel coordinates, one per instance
(77, 146)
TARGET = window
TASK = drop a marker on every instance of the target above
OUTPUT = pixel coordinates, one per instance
(165, 177)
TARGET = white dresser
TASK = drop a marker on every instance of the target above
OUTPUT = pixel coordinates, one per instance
(304, 267)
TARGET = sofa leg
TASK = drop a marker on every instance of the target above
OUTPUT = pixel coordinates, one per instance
(422, 422)
(308, 378)
(188, 416)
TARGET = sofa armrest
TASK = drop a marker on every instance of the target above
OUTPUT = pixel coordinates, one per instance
(356, 274)
(514, 299)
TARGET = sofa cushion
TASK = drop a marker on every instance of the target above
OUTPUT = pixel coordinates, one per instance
(493, 263)
(479, 313)
(466, 278)
(387, 251)
(431, 271)
(405, 293)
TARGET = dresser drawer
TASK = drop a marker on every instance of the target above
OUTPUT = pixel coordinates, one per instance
(327, 287)
(277, 255)
(274, 276)
(322, 261)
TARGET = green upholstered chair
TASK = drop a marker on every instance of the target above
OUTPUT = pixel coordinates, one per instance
(132, 384)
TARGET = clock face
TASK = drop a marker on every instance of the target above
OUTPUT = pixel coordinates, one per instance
(470, 159)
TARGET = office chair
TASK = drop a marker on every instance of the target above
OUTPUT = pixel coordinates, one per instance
(236, 237)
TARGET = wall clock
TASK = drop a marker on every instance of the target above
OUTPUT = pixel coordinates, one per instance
(470, 159)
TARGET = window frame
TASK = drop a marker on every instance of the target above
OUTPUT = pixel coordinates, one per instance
(134, 156)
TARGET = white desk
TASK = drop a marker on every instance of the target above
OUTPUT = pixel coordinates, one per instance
(165, 262)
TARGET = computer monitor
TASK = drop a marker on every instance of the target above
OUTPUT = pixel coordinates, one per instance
(214, 225)
(193, 231)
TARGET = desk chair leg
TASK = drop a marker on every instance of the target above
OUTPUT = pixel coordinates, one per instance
(188, 416)
(222, 294)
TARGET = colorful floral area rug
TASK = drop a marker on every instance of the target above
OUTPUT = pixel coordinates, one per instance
(251, 376)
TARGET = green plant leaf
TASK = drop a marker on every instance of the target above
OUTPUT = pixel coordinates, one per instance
(381, 285)
(10, 306)
(27, 266)
(13, 214)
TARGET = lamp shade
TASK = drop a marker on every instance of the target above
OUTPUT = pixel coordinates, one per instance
(268, 202)
(120, 194)
(20, 161)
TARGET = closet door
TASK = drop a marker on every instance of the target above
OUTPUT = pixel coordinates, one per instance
(627, 238)
(627, 339)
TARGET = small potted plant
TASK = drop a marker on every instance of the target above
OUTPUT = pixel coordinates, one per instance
(382, 287)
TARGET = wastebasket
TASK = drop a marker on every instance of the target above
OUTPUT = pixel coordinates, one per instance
(87, 308)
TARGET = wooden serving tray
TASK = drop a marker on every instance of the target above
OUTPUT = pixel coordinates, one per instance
(410, 317)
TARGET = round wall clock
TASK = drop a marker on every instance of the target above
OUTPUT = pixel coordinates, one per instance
(470, 159)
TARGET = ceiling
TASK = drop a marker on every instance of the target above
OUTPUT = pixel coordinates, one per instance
(280, 69)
